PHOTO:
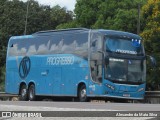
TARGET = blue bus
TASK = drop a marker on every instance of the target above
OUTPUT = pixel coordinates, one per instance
(77, 62)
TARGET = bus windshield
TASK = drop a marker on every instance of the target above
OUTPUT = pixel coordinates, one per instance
(126, 70)
(124, 46)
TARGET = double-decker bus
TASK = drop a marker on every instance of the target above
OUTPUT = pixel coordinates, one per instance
(76, 62)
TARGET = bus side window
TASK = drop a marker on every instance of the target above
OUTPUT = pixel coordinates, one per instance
(96, 71)
(42, 46)
(11, 45)
(81, 44)
(13, 49)
(96, 42)
(94, 45)
(93, 70)
(31, 50)
(54, 46)
(68, 44)
(99, 71)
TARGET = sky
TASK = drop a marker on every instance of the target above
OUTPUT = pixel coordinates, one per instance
(69, 4)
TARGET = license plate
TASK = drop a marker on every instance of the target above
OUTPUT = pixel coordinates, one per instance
(126, 95)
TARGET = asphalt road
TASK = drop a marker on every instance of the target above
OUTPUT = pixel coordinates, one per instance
(100, 106)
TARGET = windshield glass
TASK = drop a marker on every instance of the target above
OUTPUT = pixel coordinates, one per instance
(125, 70)
(124, 46)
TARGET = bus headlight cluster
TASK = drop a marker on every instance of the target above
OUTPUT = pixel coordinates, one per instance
(110, 86)
(140, 89)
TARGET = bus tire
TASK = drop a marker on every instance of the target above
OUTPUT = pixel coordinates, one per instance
(31, 93)
(23, 93)
(82, 93)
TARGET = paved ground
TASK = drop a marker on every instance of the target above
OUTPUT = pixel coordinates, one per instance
(83, 105)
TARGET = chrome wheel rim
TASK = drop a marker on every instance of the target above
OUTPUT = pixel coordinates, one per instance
(83, 93)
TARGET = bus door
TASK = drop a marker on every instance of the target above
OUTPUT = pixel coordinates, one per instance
(95, 86)
(96, 56)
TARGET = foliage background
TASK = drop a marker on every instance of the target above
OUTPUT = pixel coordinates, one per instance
(104, 14)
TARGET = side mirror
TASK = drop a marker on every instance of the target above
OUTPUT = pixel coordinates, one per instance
(152, 61)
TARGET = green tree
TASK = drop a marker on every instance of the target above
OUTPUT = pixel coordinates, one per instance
(151, 36)
(11, 20)
(72, 24)
(126, 20)
(108, 14)
(60, 16)
(86, 12)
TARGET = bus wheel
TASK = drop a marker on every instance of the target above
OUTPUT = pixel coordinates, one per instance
(23, 93)
(31, 93)
(82, 94)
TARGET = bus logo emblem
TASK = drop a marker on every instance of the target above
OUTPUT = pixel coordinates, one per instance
(24, 67)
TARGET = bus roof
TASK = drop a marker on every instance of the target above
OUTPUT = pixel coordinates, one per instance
(78, 30)
(21, 37)
(70, 30)
(119, 34)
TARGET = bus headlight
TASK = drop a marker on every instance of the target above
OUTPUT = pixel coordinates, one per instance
(110, 86)
(140, 89)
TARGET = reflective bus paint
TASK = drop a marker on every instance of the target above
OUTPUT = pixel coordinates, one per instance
(59, 63)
